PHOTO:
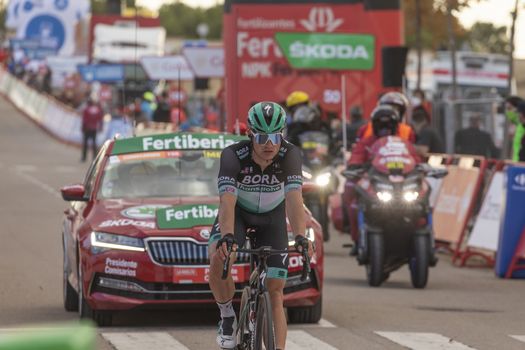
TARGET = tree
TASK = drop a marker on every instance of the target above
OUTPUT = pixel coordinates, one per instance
(182, 20)
(486, 37)
(433, 25)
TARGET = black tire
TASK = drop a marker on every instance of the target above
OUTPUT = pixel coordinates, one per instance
(101, 318)
(69, 294)
(420, 262)
(243, 334)
(376, 260)
(264, 324)
(306, 314)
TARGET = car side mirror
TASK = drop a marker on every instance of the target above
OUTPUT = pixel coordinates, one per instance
(74, 193)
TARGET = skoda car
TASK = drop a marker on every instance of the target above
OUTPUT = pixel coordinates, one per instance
(135, 234)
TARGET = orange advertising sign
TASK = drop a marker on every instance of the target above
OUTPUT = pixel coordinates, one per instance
(455, 198)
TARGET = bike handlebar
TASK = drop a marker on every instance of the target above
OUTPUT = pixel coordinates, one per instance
(267, 251)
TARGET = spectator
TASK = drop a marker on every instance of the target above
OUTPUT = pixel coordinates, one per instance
(511, 111)
(419, 101)
(427, 138)
(148, 106)
(472, 140)
(91, 124)
(163, 110)
(119, 124)
(521, 114)
(177, 116)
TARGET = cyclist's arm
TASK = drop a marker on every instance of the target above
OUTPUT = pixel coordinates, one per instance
(227, 182)
(293, 191)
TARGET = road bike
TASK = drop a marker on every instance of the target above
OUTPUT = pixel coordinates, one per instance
(255, 324)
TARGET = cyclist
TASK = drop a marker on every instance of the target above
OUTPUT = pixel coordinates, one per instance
(398, 101)
(259, 183)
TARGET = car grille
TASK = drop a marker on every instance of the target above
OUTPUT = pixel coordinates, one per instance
(181, 252)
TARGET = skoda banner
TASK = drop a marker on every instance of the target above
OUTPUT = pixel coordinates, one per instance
(328, 50)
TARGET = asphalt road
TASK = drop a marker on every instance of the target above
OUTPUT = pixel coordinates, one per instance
(462, 308)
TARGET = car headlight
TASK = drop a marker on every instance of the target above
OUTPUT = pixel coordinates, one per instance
(120, 242)
(309, 233)
(384, 196)
(410, 196)
(323, 179)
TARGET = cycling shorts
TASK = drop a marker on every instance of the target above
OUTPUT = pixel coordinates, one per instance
(270, 230)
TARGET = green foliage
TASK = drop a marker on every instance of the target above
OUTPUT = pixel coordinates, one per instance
(486, 37)
(433, 25)
(98, 7)
(182, 20)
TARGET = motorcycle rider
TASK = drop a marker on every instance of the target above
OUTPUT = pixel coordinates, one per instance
(385, 121)
(401, 104)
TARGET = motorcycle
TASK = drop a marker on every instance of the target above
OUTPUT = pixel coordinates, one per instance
(319, 180)
(394, 216)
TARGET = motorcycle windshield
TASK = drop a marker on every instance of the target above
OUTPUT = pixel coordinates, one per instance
(315, 146)
(390, 155)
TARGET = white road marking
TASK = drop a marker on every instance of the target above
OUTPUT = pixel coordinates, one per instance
(519, 337)
(143, 340)
(424, 341)
(321, 324)
(39, 184)
(300, 340)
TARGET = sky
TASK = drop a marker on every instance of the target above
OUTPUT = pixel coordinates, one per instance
(496, 11)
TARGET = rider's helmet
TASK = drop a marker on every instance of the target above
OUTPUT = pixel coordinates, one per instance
(396, 99)
(385, 121)
(266, 118)
(297, 98)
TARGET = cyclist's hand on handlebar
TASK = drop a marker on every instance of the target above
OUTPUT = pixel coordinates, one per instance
(225, 245)
(301, 242)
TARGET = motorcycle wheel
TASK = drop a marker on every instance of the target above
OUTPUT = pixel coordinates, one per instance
(420, 262)
(376, 260)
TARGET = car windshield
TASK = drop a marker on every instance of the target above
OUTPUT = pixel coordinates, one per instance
(161, 174)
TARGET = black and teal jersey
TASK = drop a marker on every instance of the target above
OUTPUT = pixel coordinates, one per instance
(259, 191)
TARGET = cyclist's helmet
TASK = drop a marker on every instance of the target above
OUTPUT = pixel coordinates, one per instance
(266, 118)
(297, 98)
(397, 100)
(385, 121)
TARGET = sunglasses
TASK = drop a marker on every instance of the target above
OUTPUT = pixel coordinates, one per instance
(262, 139)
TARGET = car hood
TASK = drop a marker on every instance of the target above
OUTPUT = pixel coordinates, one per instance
(138, 218)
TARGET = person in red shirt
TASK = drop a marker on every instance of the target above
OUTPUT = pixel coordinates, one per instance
(92, 117)
(385, 122)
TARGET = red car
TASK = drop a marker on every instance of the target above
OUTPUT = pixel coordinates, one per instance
(136, 232)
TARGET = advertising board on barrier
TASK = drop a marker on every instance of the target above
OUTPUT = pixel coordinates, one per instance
(513, 220)
(167, 68)
(104, 73)
(452, 207)
(206, 62)
(485, 233)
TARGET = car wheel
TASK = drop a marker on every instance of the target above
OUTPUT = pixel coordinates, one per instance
(70, 295)
(101, 318)
(306, 314)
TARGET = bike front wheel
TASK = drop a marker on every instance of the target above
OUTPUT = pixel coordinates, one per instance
(264, 323)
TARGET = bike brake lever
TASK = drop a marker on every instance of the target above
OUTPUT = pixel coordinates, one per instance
(226, 265)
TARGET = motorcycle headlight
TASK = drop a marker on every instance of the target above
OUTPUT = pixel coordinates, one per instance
(384, 196)
(120, 242)
(410, 196)
(323, 179)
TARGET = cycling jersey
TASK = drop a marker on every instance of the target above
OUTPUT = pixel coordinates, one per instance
(259, 191)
